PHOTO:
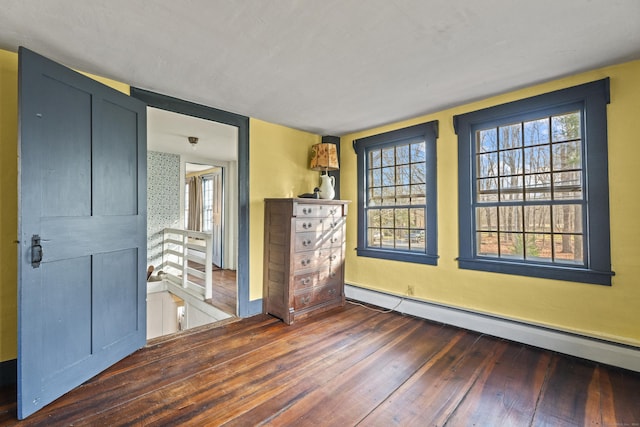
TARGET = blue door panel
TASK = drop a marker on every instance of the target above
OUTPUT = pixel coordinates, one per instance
(115, 296)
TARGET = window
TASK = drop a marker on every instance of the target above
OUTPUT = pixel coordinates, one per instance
(397, 209)
(207, 203)
(533, 186)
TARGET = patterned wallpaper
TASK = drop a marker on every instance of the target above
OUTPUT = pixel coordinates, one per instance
(163, 200)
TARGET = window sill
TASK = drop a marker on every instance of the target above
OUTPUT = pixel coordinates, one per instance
(571, 274)
(394, 255)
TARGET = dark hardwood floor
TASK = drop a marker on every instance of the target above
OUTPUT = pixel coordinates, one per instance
(349, 366)
(225, 289)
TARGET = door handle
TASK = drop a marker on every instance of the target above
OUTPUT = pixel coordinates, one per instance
(36, 251)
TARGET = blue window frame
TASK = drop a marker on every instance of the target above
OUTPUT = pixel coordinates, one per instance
(533, 186)
(397, 208)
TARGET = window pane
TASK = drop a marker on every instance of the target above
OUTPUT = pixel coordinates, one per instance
(418, 152)
(567, 155)
(568, 248)
(511, 188)
(402, 239)
(388, 196)
(416, 240)
(375, 178)
(418, 173)
(538, 247)
(374, 237)
(536, 132)
(538, 186)
(388, 156)
(566, 127)
(567, 185)
(487, 219)
(375, 159)
(418, 190)
(537, 219)
(388, 240)
(487, 165)
(373, 218)
(386, 218)
(417, 218)
(510, 136)
(510, 162)
(510, 218)
(402, 154)
(567, 219)
(487, 140)
(487, 244)
(403, 192)
(402, 175)
(388, 176)
(402, 218)
(537, 159)
(487, 190)
(375, 197)
(511, 245)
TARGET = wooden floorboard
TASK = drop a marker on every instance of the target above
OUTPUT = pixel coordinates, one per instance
(345, 367)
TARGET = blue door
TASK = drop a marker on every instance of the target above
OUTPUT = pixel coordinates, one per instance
(82, 229)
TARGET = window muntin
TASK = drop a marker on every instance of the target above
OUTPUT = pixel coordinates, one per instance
(529, 194)
(396, 198)
(533, 186)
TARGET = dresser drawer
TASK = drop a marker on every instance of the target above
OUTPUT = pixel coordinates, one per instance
(305, 260)
(305, 280)
(307, 241)
(318, 211)
(309, 224)
(330, 256)
(316, 295)
(330, 275)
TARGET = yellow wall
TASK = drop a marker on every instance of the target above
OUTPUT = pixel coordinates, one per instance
(278, 167)
(8, 203)
(599, 311)
(9, 198)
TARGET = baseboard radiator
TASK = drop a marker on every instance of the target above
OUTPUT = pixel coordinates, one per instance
(598, 350)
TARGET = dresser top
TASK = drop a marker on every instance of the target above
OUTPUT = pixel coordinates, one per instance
(308, 200)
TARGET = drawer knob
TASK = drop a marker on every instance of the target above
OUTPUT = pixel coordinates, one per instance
(307, 211)
(305, 261)
(332, 211)
(306, 300)
(333, 257)
(306, 225)
(306, 280)
(306, 242)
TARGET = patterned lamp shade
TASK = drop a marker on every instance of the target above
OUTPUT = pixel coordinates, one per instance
(325, 157)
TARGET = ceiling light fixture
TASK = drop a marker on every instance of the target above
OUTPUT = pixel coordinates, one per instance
(193, 140)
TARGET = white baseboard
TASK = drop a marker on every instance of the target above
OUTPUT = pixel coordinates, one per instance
(610, 353)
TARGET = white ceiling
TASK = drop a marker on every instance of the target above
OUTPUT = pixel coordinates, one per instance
(327, 66)
(169, 132)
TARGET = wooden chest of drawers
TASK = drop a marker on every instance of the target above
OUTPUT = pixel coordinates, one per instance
(303, 256)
